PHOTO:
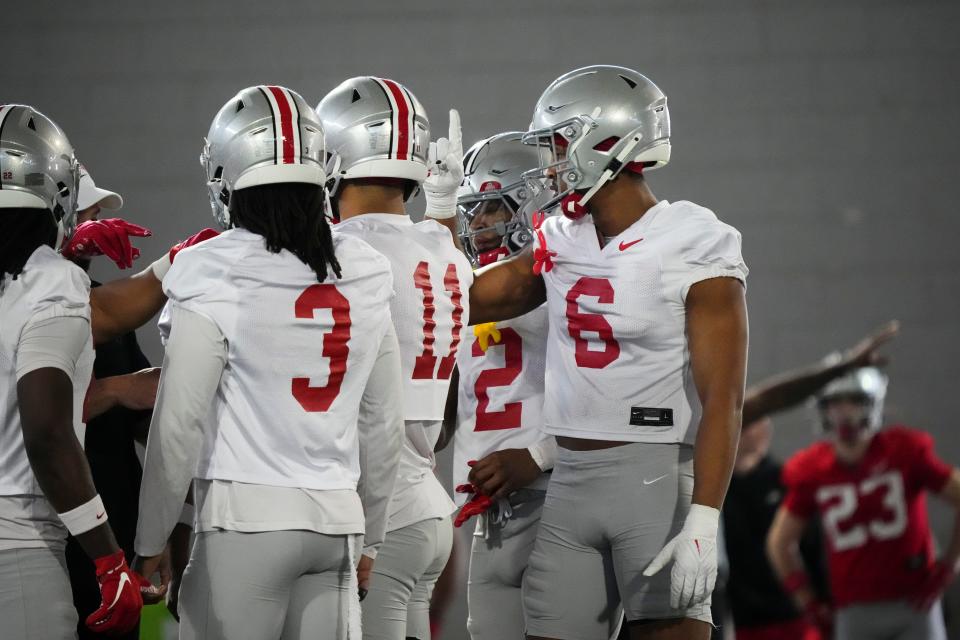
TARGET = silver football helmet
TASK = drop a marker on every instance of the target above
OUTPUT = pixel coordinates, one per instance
(494, 181)
(38, 169)
(376, 128)
(866, 383)
(591, 123)
(262, 135)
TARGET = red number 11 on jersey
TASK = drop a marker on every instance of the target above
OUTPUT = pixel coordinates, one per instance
(426, 362)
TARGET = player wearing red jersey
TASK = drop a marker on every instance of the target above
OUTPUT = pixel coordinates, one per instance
(869, 488)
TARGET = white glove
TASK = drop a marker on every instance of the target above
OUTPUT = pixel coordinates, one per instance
(694, 555)
(444, 172)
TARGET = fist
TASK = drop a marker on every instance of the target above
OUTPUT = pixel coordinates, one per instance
(503, 472)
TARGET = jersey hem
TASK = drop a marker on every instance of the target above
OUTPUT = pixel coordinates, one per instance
(617, 436)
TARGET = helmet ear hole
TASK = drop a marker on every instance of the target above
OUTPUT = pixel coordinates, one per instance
(606, 144)
(218, 173)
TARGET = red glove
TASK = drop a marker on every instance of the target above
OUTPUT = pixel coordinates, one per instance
(196, 238)
(110, 237)
(820, 615)
(476, 505)
(120, 600)
(937, 579)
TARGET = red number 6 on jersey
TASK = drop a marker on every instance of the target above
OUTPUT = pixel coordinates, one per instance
(578, 322)
(335, 347)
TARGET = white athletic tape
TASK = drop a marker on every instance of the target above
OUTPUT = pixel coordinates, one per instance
(544, 453)
(161, 266)
(87, 516)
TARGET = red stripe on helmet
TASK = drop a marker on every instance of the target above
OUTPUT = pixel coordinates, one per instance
(402, 139)
(286, 123)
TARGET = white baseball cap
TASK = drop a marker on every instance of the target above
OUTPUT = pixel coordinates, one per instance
(90, 194)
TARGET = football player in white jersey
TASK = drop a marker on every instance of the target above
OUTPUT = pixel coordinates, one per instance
(499, 397)
(644, 370)
(46, 360)
(378, 142)
(279, 393)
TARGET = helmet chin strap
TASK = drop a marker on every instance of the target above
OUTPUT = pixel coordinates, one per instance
(489, 257)
(61, 235)
(574, 205)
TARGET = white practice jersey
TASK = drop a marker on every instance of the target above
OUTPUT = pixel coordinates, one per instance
(500, 399)
(618, 364)
(299, 354)
(432, 280)
(49, 287)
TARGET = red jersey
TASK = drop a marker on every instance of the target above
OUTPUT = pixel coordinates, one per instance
(874, 513)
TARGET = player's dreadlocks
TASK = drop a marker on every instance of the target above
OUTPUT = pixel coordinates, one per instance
(289, 216)
(23, 231)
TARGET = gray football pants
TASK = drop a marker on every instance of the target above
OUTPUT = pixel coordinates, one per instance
(35, 598)
(404, 574)
(292, 585)
(499, 553)
(607, 514)
(889, 620)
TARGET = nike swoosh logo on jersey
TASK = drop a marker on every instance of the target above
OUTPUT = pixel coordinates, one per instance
(124, 579)
(101, 514)
(626, 245)
(646, 482)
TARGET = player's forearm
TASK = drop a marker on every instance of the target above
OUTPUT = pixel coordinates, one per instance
(787, 390)
(717, 338)
(506, 290)
(783, 551)
(100, 398)
(55, 454)
(64, 476)
(715, 451)
(58, 462)
(121, 306)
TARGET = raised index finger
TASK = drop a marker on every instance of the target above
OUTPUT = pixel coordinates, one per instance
(136, 230)
(455, 135)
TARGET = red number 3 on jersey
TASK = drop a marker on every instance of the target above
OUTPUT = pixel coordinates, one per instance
(335, 345)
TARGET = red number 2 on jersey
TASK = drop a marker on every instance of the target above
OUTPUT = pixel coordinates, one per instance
(426, 362)
(335, 347)
(578, 322)
(512, 413)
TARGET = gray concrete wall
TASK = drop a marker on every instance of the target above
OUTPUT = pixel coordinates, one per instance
(825, 130)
